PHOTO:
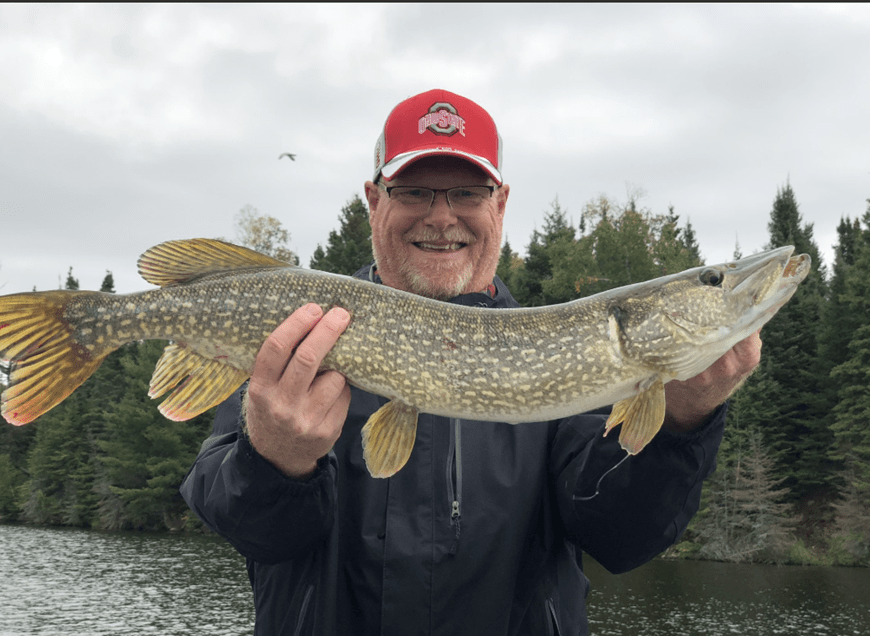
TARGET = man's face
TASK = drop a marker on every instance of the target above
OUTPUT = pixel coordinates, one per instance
(440, 252)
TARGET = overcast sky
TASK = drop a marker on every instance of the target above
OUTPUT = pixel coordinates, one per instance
(125, 126)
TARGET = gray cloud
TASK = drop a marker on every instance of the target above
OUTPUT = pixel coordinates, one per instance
(124, 126)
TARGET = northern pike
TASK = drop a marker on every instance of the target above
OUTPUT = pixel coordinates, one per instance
(217, 303)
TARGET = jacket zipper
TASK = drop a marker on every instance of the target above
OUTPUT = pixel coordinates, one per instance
(454, 482)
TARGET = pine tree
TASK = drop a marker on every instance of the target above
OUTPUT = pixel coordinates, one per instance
(763, 524)
(10, 481)
(675, 248)
(350, 247)
(851, 426)
(538, 266)
(621, 241)
(71, 281)
(145, 455)
(839, 320)
(509, 263)
(742, 517)
(690, 242)
(108, 285)
(61, 467)
(799, 437)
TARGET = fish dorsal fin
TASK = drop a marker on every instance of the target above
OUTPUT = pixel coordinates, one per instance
(176, 262)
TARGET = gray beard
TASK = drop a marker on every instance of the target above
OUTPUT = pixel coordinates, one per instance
(439, 288)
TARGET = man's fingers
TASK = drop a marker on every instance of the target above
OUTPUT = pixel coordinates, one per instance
(330, 399)
(276, 351)
(309, 354)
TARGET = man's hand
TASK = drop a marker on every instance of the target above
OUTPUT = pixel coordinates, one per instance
(295, 414)
(690, 403)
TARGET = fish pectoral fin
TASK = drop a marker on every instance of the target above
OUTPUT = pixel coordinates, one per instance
(388, 438)
(176, 262)
(641, 417)
(205, 382)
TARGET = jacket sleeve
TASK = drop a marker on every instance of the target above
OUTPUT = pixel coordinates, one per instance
(238, 494)
(624, 514)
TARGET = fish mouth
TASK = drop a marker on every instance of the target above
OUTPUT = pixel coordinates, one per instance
(759, 276)
(767, 281)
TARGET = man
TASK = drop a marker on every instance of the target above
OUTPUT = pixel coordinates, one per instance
(482, 531)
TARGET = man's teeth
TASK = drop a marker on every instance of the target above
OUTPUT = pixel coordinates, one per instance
(450, 246)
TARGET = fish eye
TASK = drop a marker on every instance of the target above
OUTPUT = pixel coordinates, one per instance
(711, 277)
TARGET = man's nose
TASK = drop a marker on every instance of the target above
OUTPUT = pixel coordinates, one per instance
(440, 213)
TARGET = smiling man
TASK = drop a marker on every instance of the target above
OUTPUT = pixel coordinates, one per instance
(436, 229)
(483, 529)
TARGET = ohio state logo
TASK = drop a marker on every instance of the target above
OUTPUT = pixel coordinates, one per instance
(442, 119)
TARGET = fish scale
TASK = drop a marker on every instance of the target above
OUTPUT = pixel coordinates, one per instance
(218, 303)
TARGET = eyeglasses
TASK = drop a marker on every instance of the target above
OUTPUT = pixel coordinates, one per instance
(463, 197)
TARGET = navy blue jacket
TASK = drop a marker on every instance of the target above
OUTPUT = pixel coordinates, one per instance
(480, 533)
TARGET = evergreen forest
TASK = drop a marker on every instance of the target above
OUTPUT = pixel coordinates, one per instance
(793, 477)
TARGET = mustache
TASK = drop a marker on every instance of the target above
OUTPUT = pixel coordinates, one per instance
(452, 235)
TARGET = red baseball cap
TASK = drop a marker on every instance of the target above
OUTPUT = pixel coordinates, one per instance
(438, 122)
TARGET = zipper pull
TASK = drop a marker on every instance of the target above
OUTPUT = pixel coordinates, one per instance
(455, 521)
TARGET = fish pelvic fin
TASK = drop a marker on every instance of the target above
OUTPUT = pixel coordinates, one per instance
(641, 417)
(388, 438)
(204, 382)
(48, 362)
(175, 262)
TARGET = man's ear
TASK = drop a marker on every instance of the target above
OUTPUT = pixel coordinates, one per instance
(503, 193)
(373, 195)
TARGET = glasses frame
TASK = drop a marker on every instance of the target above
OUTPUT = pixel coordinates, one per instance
(435, 191)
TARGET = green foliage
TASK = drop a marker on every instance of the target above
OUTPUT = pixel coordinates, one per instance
(538, 265)
(10, 481)
(108, 285)
(71, 281)
(509, 263)
(350, 247)
(105, 457)
(145, 455)
(798, 431)
(743, 517)
(799, 554)
(625, 245)
(798, 435)
(851, 425)
(60, 466)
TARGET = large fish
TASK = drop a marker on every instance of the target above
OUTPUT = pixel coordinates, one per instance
(218, 302)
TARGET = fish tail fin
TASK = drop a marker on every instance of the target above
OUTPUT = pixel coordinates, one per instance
(47, 362)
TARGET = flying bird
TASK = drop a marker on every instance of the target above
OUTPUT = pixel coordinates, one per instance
(287, 154)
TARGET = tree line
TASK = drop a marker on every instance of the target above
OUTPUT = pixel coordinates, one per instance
(793, 477)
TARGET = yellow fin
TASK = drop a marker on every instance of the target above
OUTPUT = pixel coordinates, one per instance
(641, 417)
(206, 382)
(388, 438)
(175, 262)
(48, 364)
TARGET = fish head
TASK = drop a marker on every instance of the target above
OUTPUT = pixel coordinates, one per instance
(679, 325)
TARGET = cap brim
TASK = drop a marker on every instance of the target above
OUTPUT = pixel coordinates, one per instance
(400, 162)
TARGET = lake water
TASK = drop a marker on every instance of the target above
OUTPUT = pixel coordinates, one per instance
(701, 598)
(67, 582)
